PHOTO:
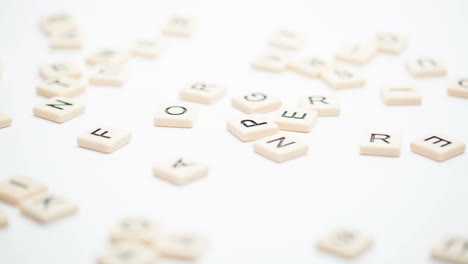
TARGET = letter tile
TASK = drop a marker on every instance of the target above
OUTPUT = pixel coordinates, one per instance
(182, 26)
(280, 147)
(129, 253)
(5, 120)
(203, 92)
(150, 47)
(401, 95)
(438, 147)
(108, 75)
(59, 109)
(426, 67)
(271, 61)
(340, 78)
(66, 39)
(175, 115)
(452, 249)
(325, 105)
(458, 87)
(256, 102)
(57, 22)
(61, 86)
(251, 127)
(180, 170)
(104, 139)
(187, 246)
(20, 188)
(345, 242)
(47, 207)
(107, 56)
(311, 66)
(388, 42)
(3, 219)
(289, 39)
(380, 144)
(296, 119)
(356, 53)
(59, 69)
(135, 229)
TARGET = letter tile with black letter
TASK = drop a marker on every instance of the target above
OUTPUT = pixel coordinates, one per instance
(175, 115)
(104, 139)
(180, 170)
(380, 144)
(438, 147)
(251, 127)
(59, 109)
(256, 102)
(345, 242)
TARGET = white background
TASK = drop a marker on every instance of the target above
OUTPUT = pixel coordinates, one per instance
(253, 210)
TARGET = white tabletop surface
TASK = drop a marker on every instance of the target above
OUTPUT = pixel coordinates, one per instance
(252, 209)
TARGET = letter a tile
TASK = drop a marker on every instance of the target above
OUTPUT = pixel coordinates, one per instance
(180, 170)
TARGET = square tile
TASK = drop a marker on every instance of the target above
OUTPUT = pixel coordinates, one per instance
(61, 86)
(59, 109)
(296, 119)
(438, 147)
(290, 39)
(425, 67)
(356, 53)
(149, 47)
(401, 95)
(104, 139)
(251, 127)
(175, 115)
(341, 78)
(389, 42)
(380, 144)
(311, 66)
(345, 242)
(48, 207)
(186, 246)
(271, 61)
(452, 249)
(129, 253)
(59, 69)
(179, 25)
(20, 188)
(107, 56)
(180, 170)
(108, 75)
(256, 102)
(325, 105)
(202, 92)
(458, 87)
(5, 120)
(57, 22)
(135, 229)
(3, 219)
(280, 147)
(66, 39)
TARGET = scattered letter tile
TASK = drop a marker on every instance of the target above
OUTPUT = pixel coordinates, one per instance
(48, 207)
(104, 139)
(175, 115)
(108, 74)
(5, 120)
(20, 188)
(136, 229)
(61, 86)
(59, 69)
(401, 95)
(345, 242)
(280, 147)
(66, 39)
(312, 66)
(458, 87)
(390, 42)
(452, 249)
(426, 67)
(187, 246)
(202, 92)
(380, 144)
(148, 48)
(57, 22)
(251, 127)
(256, 102)
(59, 109)
(107, 56)
(180, 170)
(296, 119)
(356, 53)
(438, 147)
(289, 39)
(340, 78)
(3, 219)
(271, 61)
(128, 253)
(179, 26)
(325, 105)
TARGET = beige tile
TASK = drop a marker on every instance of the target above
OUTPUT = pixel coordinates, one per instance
(66, 39)
(202, 92)
(180, 170)
(425, 67)
(280, 147)
(256, 102)
(389, 42)
(187, 246)
(20, 188)
(57, 22)
(458, 87)
(59, 109)
(271, 61)
(290, 39)
(179, 25)
(251, 127)
(452, 249)
(59, 69)
(104, 139)
(438, 147)
(380, 144)
(135, 229)
(48, 207)
(5, 120)
(345, 242)
(107, 56)
(296, 119)
(3, 219)
(325, 104)
(129, 253)
(340, 78)
(149, 47)
(311, 66)
(61, 86)
(356, 53)
(175, 115)
(108, 75)
(405, 94)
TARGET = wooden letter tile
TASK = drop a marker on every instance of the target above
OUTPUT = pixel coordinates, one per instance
(104, 139)
(180, 170)
(175, 115)
(325, 105)
(345, 242)
(48, 207)
(20, 188)
(380, 144)
(438, 147)
(280, 147)
(296, 119)
(452, 249)
(202, 92)
(136, 229)
(59, 109)
(256, 102)
(251, 127)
